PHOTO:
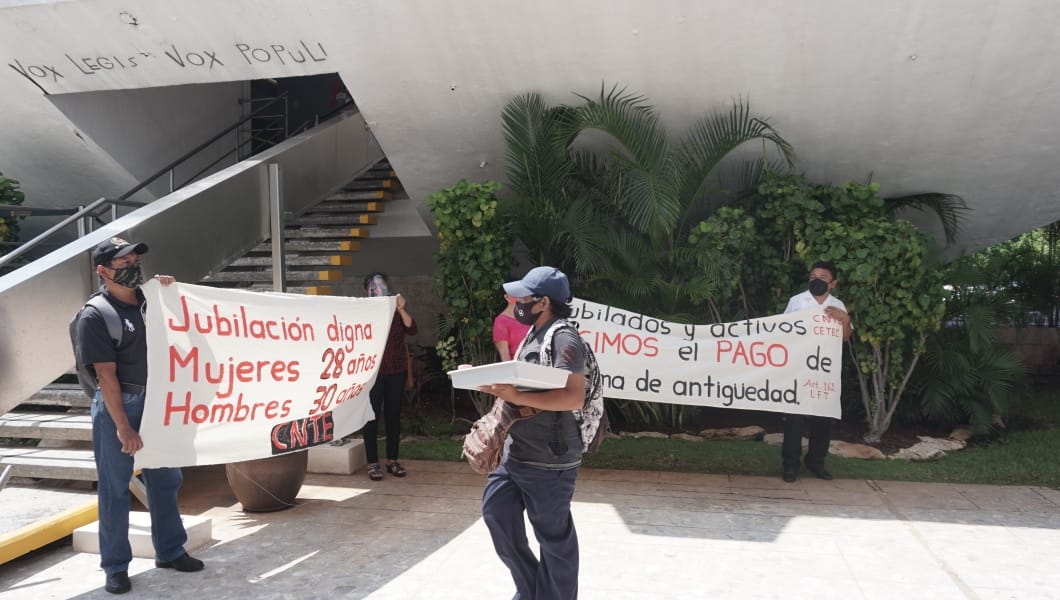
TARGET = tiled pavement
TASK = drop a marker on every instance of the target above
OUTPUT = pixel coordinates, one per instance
(643, 535)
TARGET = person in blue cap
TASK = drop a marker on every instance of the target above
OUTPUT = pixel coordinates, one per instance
(543, 453)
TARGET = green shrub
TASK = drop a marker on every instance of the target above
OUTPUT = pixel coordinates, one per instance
(10, 195)
(475, 257)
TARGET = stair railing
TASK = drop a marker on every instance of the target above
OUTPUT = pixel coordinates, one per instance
(84, 217)
(194, 151)
(87, 215)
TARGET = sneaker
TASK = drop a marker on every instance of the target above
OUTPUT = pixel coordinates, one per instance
(118, 583)
(183, 563)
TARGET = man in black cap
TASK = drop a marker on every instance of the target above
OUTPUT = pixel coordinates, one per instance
(121, 370)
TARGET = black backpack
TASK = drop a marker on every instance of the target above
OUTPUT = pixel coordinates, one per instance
(86, 375)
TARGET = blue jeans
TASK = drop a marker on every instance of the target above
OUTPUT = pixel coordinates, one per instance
(114, 470)
(545, 495)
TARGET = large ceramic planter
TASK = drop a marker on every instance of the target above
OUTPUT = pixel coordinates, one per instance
(268, 484)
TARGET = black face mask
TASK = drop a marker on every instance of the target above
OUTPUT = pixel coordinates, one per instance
(131, 277)
(818, 287)
(523, 313)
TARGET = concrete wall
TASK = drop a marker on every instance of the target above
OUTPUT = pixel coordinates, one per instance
(1039, 347)
(408, 264)
(954, 96)
(146, 129)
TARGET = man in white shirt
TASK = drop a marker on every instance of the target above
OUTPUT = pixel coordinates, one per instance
(822, 281)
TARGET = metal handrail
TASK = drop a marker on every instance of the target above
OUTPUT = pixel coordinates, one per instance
(123, 200)
(20, 211)
(199, 148)
(305, 126)
(89, 210)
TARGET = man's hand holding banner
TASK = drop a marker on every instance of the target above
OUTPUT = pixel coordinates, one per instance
(236, 375)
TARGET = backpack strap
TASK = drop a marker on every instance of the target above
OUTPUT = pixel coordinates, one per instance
(546, 342)
(110, 316)
(592, 411)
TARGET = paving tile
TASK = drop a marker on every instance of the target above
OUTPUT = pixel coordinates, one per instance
(840, 497)
(994, 566)
(1008, 499)
(1015, 594)
(892, 590)
(1049, 494)
(643, 535)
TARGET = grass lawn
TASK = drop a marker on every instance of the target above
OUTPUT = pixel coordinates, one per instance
(1027, 456)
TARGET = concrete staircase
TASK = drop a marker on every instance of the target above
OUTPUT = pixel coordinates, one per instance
(49, 436)
(320, 242)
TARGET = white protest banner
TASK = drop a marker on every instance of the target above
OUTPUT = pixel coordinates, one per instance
(236, 375)
(784, 363)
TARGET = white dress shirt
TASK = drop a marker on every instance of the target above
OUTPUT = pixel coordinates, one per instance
(806, 300)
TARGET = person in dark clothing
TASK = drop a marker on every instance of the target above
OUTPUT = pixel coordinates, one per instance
(389, 388)
(117, 409)
(538, 472)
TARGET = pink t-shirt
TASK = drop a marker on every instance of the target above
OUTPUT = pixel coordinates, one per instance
(506, 328)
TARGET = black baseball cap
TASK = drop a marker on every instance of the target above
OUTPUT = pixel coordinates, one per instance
(113, 248)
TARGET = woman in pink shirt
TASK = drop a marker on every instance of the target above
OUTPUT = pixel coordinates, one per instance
(507, 332)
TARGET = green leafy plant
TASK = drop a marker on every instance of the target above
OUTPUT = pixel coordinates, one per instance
(756, 254)
(966, 376)
(10, 195)
(474, 259)
(604, 192)
(893, 291)
(1026, 272)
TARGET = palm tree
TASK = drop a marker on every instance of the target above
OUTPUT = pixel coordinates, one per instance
(949, 208)
(615, 210)
(601, 191)
(966, 373)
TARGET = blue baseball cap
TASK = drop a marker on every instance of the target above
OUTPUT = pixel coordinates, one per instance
(541, 281)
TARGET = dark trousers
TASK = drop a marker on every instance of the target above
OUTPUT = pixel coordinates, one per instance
(545, 496)
(386, 396)
(819, 437)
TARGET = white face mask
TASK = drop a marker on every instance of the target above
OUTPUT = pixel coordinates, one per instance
(378, 287)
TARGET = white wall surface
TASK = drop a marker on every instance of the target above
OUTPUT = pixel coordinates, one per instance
(954, 96)
(146, 129)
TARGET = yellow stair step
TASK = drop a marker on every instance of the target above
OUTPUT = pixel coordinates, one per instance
(329, 275)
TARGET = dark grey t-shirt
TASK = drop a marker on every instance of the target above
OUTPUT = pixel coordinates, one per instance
(130, 355)
(550, 439)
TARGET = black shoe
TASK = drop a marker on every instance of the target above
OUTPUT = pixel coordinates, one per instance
(820, 472)
(118, 583)
(790, 475)
(183, 563)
